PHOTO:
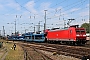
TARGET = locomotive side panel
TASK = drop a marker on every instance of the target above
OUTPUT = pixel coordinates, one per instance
(61, 35)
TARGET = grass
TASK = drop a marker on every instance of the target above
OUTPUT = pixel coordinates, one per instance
(17, 54)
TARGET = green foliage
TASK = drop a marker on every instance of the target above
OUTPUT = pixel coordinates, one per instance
(86, 26)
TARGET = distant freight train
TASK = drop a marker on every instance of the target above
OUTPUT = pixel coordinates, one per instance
(29, 37)
(72, 35)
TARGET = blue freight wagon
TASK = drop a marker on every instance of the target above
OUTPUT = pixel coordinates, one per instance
(35, 37)
(20, 38)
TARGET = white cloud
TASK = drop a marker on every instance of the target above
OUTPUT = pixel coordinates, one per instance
(74, 9)
(45, 5)
(9, 4)
(87, 5)
(30, 6)
(1, 7)
(85, 13)
(14, 5)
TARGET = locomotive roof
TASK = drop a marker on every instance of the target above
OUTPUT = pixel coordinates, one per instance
(76, 26)
(55, 28)
(58, 29)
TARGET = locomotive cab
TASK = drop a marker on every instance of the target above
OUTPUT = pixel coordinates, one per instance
(80, 34)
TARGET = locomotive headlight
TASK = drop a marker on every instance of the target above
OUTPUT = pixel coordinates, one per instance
(77, 35)
(84, 35)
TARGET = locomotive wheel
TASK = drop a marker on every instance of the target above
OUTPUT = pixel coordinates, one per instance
(78, 43)
(73, 43)
(83, 43)
(69, 43)
(60, 42)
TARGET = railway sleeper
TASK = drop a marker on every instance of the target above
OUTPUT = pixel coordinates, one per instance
(64, 52)
(70, 54)
(30, 57)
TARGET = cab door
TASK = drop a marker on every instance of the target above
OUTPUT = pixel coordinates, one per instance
(70, 34)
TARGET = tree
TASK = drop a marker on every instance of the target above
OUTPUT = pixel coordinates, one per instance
(86, 26)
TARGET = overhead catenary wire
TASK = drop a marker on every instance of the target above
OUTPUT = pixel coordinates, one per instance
(68, 9)
(75, 11)
(67, 6)
(52, 15)
(26, 8)
(82, 2)
(22, 6)
(56, 4)
(71, 6)
(36, 2)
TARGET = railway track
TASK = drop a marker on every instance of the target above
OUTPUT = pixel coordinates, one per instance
(74, 51)
(32, 53)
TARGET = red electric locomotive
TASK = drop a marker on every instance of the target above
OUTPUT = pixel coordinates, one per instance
(72, 35)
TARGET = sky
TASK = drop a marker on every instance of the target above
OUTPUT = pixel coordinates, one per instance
(28, 13)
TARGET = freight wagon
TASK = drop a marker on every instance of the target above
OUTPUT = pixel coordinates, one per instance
(35, 37)
(72, 36)
(29, 37)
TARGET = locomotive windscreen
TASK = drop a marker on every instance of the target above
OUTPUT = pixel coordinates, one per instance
(80, 31)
